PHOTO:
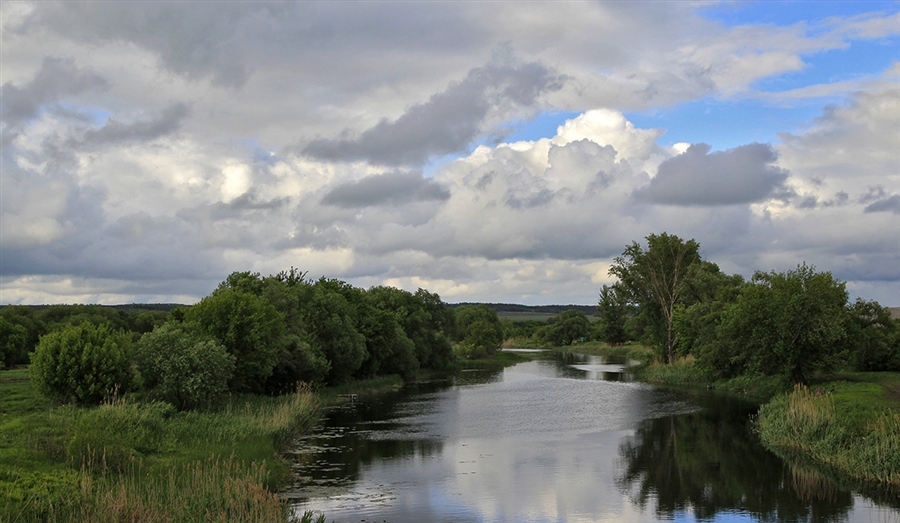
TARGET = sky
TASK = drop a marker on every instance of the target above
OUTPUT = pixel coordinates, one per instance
(485, 151)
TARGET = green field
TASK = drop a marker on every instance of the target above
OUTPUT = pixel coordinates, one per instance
(130, 460)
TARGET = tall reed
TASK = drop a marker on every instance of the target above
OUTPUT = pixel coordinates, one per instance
(808, 422)
(137, 462)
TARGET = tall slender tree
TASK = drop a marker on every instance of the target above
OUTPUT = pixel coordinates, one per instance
(654, 279)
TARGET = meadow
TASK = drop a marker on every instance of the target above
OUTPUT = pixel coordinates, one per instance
(134, 460)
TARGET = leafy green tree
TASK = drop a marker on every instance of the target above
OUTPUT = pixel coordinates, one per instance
(249, 282)
(82, 363)
(298, 360)
(250, 329)
(696, 321)
(424, 318)
(785, 323)
(12, 343)
(60, 316)
(390, 351)
(873, 337)
(183, 365)
(332, 320)
(566, 328)
(145, 321)
(613, 312)
(654, 279)
(24, 317)
(480, 330)
(522, 329)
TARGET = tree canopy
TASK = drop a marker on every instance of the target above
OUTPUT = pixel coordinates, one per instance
(654, 279)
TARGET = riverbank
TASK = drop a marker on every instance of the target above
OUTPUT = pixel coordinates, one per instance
(847, 424)
(134, 460)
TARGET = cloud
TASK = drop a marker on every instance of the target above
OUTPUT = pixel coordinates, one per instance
(394, 188)
(741, 175)
(448, 122)
(151, 148)
(55, 80)
(168, 121)
(891, 204)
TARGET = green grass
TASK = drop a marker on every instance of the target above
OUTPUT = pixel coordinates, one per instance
(850, 425)
(131, 460)
(498, 360)
(632, 351)
(335, 394)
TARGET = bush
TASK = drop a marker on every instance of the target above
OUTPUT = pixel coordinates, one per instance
(12, 343)
(183, 365)
(479, 329)
(251, 330)
(566, 328)
(82, 363)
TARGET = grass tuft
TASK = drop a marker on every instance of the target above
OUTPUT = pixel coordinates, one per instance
(132, 460)
(809, 422)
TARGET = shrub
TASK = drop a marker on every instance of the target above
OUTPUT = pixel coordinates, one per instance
(251, 330)
(480, 330)
(12, 343)
(82, 363)
(183, 365)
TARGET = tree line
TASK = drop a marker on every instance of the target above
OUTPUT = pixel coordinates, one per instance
(253, 334)
(793, 323)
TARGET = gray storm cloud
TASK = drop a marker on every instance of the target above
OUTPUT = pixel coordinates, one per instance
(393, 188)
(168, 121)
(891, 204)
(741, 175)
(448, 122)
(56, 79)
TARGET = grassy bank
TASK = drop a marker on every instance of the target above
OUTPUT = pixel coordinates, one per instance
(131, 460)
(850, 425)
(497, 361)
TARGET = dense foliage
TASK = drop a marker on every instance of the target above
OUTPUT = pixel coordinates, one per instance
(654, 280)
(82, 363)
(792, 324)
(479, 330)
(183, 365)
(252, 334)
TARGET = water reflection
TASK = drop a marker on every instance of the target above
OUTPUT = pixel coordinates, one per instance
(710, 462)
(563, 439)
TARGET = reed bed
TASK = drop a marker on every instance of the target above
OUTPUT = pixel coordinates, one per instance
(144, 461)
(809, 423)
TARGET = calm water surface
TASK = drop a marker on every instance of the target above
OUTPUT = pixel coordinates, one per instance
(561, 439)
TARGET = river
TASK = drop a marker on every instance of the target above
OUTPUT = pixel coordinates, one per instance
(563, 438)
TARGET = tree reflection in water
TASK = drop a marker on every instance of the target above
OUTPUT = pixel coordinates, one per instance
(706, 465)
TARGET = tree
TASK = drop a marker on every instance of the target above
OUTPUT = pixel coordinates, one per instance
(566, 328)
(183, 365)
(654, 279)
(424, 318)
(332, 323)
(390, 351)
(785, 323)
(480, 330)
(708, 291)
(12, 343)
(873, 337)
(82, 363)
(298, 359)
(250, 329)
(34, 327)
(612, 311)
